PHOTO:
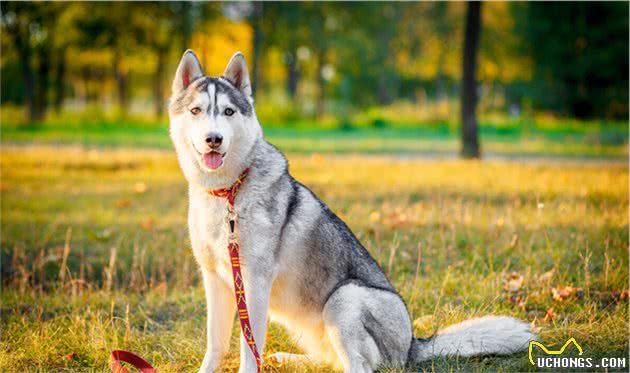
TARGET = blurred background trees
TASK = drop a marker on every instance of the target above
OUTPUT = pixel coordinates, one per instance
(334, 64)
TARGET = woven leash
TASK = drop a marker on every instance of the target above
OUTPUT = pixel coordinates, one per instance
(233, 250)
(143, 366)
(132, 359)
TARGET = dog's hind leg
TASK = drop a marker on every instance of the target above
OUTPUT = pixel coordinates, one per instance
(367, 327)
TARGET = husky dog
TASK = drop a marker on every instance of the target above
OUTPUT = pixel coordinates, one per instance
(302, 266)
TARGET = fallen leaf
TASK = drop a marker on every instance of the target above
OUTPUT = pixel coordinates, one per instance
(70, 356)
(549, 315)
(562, 293)
(547, 276)
(148, 223)
(123, 203)
(140, 187)
(160, 288)
(375, 217)
(583, 192)
(514, 282)
(620, 295)
(398, 218)
(610, 296)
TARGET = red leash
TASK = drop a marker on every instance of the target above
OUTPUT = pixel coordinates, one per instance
(233, 249)
(137, 362)
(132, 359)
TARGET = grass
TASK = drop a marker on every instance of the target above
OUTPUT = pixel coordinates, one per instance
(95, 254)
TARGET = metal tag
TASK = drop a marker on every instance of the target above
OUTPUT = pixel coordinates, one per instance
(231, 218)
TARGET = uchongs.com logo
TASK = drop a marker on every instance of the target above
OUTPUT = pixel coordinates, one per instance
(554, 358)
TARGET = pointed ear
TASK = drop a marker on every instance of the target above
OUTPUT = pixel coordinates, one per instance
(188, 70)
(236, 72)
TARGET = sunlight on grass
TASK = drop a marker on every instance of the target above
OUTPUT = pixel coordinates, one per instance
(485, 237)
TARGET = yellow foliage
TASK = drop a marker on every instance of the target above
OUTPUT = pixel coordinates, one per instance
(218, 40)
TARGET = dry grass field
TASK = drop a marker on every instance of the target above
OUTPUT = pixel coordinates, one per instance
(95, 254)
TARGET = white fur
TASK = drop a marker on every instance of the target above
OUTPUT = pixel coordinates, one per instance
(498, 335)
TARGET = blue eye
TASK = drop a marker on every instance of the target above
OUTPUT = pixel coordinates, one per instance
(229, 112)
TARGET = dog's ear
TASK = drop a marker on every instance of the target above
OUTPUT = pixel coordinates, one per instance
(236, 72)
(188, 70)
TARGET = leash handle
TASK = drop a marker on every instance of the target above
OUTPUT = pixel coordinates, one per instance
(130, 358)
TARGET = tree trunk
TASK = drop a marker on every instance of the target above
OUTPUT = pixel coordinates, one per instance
(41, 88)
(24, 51)
(60, 76)
(186, 24)
(470, 140)
(294, 73)
(121, 84)
(321, 84)
(84, 95)
(384, 95)
(258, 41)
(158, 83)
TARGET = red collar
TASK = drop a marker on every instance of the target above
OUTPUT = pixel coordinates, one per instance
(231, 192)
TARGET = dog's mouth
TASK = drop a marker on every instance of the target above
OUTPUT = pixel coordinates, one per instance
(213, 159)
(210, 160)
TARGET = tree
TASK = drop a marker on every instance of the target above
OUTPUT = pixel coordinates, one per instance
(256, 21)
(444, 29)
(470, 140)
(16, 20)
(115, 27)
(580, 54)
(279, 17)
(159, 31)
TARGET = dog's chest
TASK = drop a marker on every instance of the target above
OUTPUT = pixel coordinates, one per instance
(208, 233)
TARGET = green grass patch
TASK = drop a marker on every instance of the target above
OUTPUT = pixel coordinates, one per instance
(438, 139)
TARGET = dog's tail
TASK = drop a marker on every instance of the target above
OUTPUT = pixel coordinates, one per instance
(490, 335)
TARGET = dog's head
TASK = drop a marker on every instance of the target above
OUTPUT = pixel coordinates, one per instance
(212, 121)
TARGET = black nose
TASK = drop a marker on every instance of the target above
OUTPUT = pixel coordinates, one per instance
(214, 139)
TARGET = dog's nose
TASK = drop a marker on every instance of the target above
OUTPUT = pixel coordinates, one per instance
(214, 139)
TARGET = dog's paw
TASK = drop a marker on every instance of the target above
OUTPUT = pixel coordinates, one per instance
(281, 358)
(210, 363)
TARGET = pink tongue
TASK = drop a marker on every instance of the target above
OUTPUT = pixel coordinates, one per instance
(213, 160)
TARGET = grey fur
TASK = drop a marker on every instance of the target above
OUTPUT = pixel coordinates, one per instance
(182, 99)
(334, 256)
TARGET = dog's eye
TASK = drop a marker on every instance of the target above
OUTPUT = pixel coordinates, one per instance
(195, 111)
(229, 112)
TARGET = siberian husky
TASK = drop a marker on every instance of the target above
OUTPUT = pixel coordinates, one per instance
(301, 264)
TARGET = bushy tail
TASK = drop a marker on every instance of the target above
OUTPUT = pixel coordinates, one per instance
(490, 335)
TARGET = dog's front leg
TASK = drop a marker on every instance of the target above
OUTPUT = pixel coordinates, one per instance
(257, 290)
(221, 307)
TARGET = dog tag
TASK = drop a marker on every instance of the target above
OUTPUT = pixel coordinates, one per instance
(231, 220)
